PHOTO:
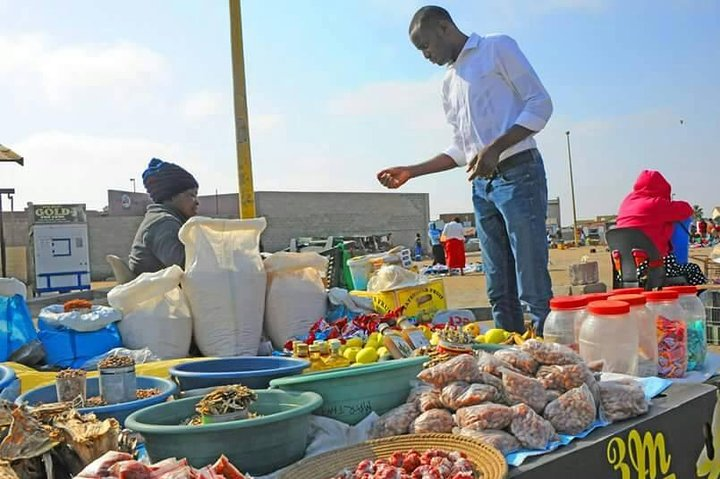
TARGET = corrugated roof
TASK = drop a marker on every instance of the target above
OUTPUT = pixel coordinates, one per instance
(6, 154)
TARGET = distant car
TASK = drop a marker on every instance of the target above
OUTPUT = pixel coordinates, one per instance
(472, 244)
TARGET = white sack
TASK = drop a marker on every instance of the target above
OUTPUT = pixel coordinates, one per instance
(12, 286)
(225, 284)
(156, 314)
(94, 320)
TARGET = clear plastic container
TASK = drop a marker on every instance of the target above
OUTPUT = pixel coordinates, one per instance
(671, 325)
(696, 324)
(609, 334)
(563, 324)
(615, 292)
(647, 333)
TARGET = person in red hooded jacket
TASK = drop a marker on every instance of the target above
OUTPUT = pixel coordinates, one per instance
(650, 208)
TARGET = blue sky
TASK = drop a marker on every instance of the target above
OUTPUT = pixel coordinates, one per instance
(92, 90)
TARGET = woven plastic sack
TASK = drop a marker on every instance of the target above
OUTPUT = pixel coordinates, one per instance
(97, 318)
(16, 326)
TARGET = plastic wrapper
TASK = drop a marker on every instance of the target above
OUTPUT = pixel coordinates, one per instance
(461, 394)
(522, 389)
(500, 440)
(550, 353)
(429, 399)
(565, 378)
(417, 389)
(621, 400)
(484, 416)
(530, 429)
(572, 412)
(488, 363)
(520, 360)
(435, 420)
(395, 422)
(460, 368)
(552, 395)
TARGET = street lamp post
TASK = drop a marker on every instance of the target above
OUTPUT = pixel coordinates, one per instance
(132, 180)
(572, 190)
(3, 251)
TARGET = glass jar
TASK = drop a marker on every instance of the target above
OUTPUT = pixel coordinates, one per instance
(608, 334)
(671, 328)
(562, 325)
(696, 324)
(647, 333)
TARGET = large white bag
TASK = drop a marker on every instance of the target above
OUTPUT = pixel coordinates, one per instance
(12, 286)
(96, 319)
(296, 296)
(225, 284)
(156, 314)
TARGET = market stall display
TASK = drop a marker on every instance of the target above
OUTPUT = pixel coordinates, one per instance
(672, 335)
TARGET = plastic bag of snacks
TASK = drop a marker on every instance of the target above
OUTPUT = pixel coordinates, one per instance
(522, 389)
(461, 394)
(550, 353)
(488, 363)
(484, 416)
(572, 412)
(459, 368)
(530, 429)
(518, 359)
(621, 400)
(500, 440)
(435, 420)
(427, 398)
(395, 422)
(565, 378)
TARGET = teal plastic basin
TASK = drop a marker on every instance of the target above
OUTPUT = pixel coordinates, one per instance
(255, 446)
(350, 394)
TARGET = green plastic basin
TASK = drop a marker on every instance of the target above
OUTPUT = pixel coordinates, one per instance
(350, 394)
(256, 446)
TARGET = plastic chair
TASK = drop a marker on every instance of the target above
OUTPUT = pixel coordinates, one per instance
(625, 242)
(120, 269)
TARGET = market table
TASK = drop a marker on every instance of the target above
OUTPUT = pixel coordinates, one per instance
(665, 443)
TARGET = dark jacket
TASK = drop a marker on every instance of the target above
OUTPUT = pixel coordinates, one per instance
(156, 245)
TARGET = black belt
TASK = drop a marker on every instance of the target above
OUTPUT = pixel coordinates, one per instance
(518, 159)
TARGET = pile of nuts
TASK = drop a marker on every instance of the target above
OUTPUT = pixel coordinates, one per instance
(114, 362)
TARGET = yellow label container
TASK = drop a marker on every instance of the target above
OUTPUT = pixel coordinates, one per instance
(428, 298)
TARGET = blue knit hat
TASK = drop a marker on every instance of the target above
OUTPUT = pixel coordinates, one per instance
(164, 180)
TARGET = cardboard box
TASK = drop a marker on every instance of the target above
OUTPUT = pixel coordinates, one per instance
(663, 444)
(427, 298)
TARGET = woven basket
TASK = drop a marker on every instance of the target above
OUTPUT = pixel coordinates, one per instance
(489, 462)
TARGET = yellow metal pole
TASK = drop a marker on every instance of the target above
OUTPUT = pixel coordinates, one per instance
(242, 131)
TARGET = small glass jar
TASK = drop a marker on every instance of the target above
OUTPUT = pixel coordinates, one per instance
(647, 333)
(562, 325)
(671, 325)
(608, 334)
(696, 324)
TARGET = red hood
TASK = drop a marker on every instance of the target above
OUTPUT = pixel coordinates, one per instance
(653, 184)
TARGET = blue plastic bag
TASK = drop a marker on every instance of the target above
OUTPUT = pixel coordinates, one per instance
(16, 326)
(67, 348)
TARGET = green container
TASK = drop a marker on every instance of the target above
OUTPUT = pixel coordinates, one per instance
(256, 446)
(350, 394)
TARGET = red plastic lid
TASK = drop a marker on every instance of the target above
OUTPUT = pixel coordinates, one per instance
(682, 289)
(608, 308)
(631, 299)
(664, 295)
(628, 291)
(597, 296)
(566, 303)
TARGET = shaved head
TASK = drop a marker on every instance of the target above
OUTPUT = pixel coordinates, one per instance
(430, 15)
(434, 33)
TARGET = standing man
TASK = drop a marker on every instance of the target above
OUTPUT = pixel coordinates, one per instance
(495, 103)
(438, 252)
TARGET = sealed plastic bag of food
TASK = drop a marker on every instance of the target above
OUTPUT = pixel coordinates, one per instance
(435, 420)
(572, 412)
(484, 416)
(500, 440)
(522, 389)
(488, 363)
(459, 368)
(565, 378)
(621, 400)
(552, 395)
(518, 359)
(550, 353)
(417, 389)
(429, 399)
(530, 429)
(395, 422)
(461, 394)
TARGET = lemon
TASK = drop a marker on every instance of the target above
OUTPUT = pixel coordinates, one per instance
(435, 339)
(383, 351)
(480, 338)
(495, 336)
(376, 337)
(426, 331)
(372, 343)
(342, 349)
(354, 342)
(366, 356)
(351, 354)
(472, 329)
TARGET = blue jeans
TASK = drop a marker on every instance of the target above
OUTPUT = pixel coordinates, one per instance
(510, 212)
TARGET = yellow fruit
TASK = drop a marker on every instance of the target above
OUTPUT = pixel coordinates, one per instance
(354, 342)
(342, 349)
(351, 354)
(495, 336)
(355, 365)
(435, 339)
(372, 343)
(383, 351)
(426, 331)
(472, 329)
(366, 356)
(376, 337)
(480, 338)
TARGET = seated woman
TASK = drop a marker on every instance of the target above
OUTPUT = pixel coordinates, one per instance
(174, 194)
(649, 208)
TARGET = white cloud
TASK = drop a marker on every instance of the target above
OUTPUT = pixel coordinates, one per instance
(205, 104)
(262, 124)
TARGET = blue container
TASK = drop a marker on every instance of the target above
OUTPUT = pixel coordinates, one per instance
(681, 240)
(48, 394)
(255, 372)
(8, 381)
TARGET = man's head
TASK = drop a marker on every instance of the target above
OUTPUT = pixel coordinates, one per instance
(457, 219)
(434, 33)
(171, 185)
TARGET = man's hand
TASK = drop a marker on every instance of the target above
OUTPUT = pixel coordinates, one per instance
(484, 164)
(394, 177)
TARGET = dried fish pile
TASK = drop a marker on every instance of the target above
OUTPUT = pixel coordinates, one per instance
(225, 400)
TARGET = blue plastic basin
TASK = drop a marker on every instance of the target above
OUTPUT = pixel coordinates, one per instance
(255, 372)
(7, 377)
(48, 394)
